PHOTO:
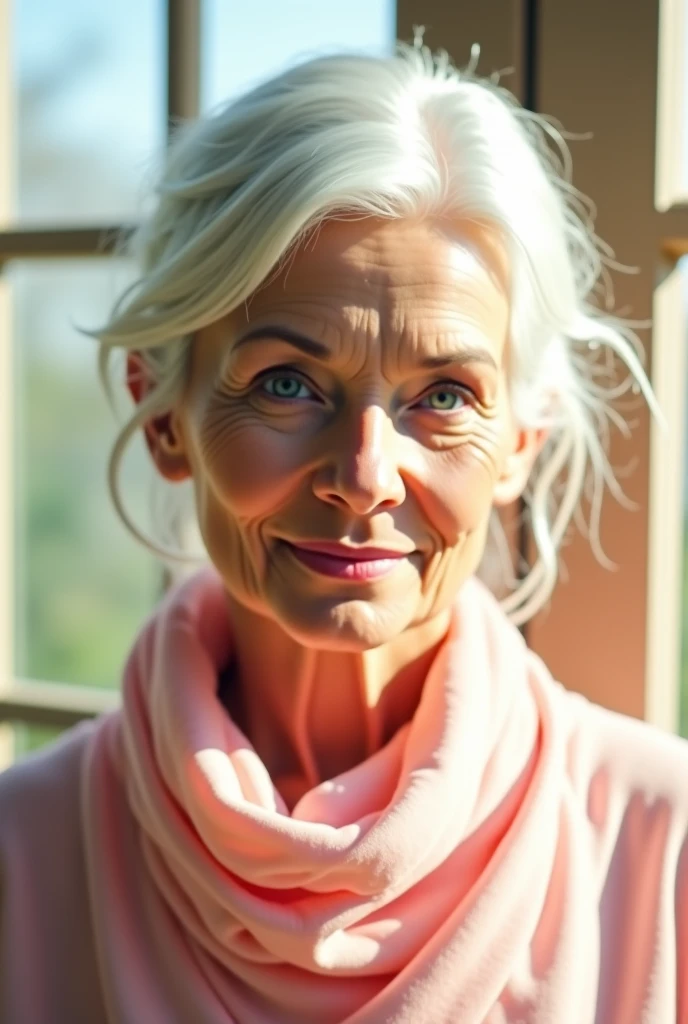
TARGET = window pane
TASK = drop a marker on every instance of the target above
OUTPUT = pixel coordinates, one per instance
(82, 585)
(29, 738)
(89, 113)
(244, 43)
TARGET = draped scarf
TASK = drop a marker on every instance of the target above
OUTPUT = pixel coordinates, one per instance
(443, 880)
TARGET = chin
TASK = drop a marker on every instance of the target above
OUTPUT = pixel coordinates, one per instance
(353, 625)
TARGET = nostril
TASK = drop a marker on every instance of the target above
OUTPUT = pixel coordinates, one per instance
(359, 504)
(361, 489)
(335, 499)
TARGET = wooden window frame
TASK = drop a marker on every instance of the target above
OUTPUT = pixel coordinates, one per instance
(58, 704)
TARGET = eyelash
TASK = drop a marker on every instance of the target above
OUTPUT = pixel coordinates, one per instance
(462, 390)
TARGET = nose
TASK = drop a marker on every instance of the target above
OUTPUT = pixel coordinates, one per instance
(362, 471)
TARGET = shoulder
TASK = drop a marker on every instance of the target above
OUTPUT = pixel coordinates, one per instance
(41, 831)
(43, 789)
(44, 888)
(629, 787)
(629, 780)
(634, 756)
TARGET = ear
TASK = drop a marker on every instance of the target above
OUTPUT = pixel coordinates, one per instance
(163, 434)
(526, 446)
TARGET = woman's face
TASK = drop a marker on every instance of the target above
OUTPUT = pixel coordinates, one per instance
(348, 430)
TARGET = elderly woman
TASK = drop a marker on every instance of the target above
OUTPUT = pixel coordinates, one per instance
(340, 787)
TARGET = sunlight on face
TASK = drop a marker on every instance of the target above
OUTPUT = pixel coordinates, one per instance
(348, 427)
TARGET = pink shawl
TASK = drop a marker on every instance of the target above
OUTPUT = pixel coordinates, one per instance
(505, 858)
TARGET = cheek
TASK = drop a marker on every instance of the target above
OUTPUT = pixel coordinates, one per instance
(458, 505)
(252, 469)
(458, 496)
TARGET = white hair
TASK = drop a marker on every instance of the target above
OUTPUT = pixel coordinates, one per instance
(392, 137)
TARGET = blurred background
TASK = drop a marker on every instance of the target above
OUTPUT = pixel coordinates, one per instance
(86, 93)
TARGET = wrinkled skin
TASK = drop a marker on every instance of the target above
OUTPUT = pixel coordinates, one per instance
(361, 439)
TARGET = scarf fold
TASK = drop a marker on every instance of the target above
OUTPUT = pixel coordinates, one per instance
(444, 879)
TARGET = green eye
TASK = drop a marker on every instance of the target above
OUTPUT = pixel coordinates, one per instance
(285, 386)
(444, 400)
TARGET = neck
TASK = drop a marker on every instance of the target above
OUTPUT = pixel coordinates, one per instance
(312, 714)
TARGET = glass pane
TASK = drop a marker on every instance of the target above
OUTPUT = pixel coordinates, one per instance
(244, 43)
(89, 114)
(82, 586)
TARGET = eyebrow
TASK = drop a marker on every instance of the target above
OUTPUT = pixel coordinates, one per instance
(460, 356)
(300, 341)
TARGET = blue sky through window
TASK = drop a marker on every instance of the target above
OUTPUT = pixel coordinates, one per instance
(91, 80)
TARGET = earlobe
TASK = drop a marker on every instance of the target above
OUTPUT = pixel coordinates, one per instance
(164, 437)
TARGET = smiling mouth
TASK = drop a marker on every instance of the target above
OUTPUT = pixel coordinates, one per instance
(342, 562)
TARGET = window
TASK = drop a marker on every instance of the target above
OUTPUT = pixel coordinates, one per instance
(87, 92)
(82, 588)
(238, 52)
(83, 95)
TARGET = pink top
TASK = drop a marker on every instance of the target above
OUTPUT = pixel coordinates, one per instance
(513, 854)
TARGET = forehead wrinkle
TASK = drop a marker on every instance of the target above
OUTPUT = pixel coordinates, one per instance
(312, 318)
(463, 293)
(348, 330)
(385, 266)
(418, 337)
(397, 310)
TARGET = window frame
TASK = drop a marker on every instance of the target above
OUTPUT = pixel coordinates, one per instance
(28, 701)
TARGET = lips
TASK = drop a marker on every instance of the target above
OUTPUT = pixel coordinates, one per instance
(344, 562)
